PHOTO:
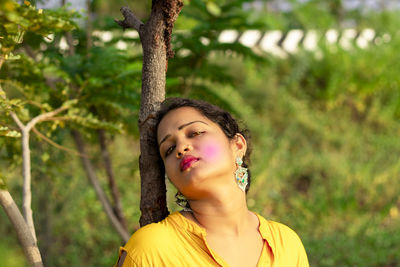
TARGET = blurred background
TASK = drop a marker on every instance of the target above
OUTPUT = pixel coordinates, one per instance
(317, 82)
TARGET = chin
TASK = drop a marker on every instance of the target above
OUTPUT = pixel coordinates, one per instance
(200, 178)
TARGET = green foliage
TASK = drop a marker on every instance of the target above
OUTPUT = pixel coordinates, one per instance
(194, 71)
(11, 258)
(99, 87)
(315, 14)
(5, 131)
(16, 20)
(326, 160)
(325, 134)
(9, 105)
(3, 184)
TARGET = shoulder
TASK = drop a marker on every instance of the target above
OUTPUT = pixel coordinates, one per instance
(277, 230)
(149, 237)
(152, 244)
(284, 242)
(284, 232)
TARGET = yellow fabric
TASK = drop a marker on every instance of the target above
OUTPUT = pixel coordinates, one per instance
(177, 241)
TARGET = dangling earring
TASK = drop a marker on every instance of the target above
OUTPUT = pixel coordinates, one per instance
(241, 174)
(182, 202)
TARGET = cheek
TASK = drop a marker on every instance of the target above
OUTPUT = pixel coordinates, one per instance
(211, 150)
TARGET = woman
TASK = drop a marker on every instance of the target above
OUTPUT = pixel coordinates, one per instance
(205, 155)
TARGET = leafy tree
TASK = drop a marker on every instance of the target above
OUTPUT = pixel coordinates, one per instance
(16, 20)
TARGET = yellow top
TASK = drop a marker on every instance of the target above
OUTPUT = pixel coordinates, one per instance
(177, 241)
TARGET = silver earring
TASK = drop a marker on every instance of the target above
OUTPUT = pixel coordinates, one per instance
(241, 174)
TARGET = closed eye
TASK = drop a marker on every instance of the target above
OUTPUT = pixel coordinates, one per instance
(169, 150)
(196, 133)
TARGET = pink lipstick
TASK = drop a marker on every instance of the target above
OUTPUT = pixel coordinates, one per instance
(187, 162)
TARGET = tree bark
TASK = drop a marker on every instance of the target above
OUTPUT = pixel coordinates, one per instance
(26, 188)
(91, 174)
(24, 234)
(155, 37)
(117, 207)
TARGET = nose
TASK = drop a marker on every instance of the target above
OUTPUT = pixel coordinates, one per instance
(182, 149)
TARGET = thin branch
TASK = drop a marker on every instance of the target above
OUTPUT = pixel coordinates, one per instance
(45, 116)
(111, 179)
(17, 120)
(62, 118)
(36, 104)
(130, 20)
(91, 174)
(71, 151)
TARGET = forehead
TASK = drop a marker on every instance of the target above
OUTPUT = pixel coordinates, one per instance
(175, 118)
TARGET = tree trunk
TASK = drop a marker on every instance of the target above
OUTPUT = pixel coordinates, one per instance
(24, 234)
(91, 174)
(155, 37)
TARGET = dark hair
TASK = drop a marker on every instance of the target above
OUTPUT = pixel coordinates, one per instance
(224, 119)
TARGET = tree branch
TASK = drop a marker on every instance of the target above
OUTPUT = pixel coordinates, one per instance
(24, 235)
(17, 120)
(91, 174)
(26, 188)
(111, 179)
(26, 173)
(51, 142)
(45, 116)
(130, 20)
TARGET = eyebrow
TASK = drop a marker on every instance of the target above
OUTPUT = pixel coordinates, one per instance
(179, 128)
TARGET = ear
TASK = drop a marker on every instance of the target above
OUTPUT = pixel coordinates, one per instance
(239, 144)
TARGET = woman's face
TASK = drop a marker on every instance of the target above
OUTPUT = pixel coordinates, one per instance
(197, 154)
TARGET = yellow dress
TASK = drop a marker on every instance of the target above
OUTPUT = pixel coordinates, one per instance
(177, 241)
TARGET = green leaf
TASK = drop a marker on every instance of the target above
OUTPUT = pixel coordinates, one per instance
(45, 157)
(5, 131)
(3, 185)
(213, 8)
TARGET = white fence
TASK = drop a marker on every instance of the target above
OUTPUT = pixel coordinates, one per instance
(275, 42)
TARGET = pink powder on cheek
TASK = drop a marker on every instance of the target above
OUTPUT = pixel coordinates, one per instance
(211, 151)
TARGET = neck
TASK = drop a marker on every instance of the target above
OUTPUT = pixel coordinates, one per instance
(224, 213)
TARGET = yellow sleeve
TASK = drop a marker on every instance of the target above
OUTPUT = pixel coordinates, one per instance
(297, 246)
(290, 245)
(150, 246)
(302, 255)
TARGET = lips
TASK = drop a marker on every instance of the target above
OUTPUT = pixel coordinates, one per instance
(187, 162)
